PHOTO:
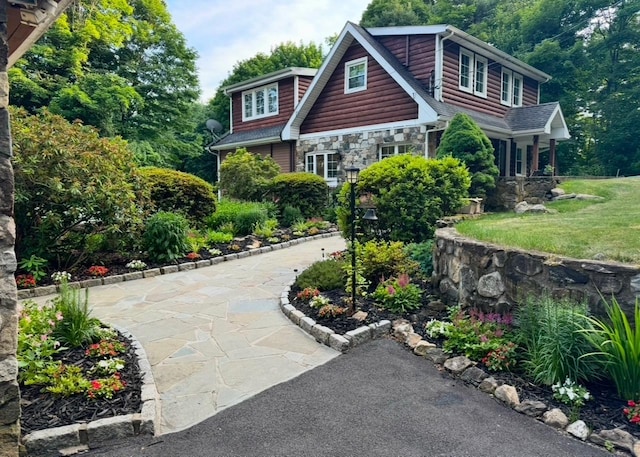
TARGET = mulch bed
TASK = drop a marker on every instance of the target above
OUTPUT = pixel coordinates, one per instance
(41, 410)
(603, 412)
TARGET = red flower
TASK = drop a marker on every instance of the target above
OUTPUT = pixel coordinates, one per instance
(96, 384)
(97, 270)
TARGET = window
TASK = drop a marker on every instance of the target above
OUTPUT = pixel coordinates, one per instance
(480, 76)
(355, 75)
(392, 150)
(517, 90)
(505, 97)
(466, 76)
(260, 102)
(324, 165)
(519, 161)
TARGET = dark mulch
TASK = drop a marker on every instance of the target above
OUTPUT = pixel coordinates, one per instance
(603, 412)
(41, 410)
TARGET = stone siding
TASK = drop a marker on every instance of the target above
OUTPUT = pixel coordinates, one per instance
(511, 190)
(9, 391)
(495, 278)
(360, 149)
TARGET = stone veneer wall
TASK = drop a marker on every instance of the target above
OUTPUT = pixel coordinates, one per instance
(9, 391)
(360, 149)
(495, 278)
(511, 190)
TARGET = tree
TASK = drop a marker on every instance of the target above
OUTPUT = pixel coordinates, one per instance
(464, 140)
(246, 176)
(75, 192)
(388, 13)
(282, 56)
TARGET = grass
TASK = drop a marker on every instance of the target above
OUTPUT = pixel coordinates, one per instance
(580, 229)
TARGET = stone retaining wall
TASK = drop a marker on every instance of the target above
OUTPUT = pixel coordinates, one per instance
(511, 190)
(496, 278)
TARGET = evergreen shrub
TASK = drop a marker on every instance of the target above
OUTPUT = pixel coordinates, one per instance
(165, 236)
(247, 176)
(242, 215)
(323, 275)
(306, 191)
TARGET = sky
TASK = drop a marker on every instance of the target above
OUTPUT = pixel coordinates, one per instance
(225, 32)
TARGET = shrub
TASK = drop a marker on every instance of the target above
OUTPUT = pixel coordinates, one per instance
(165, 236)
(214, 237)
(247, 176)
(399, 295)
(410, 194)
(382, 259)
(324, 275)
(290, 215)
(422, 253)
(266, 229)
(70, 185)
(243, 215)
(177, 192)
(306, 191)
(464, 140)
(554, 336)
(618, 342)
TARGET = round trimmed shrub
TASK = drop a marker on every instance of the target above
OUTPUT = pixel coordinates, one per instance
(178, 192)
(323, 275)
(165, 236)
(247, 176)
(306, 191)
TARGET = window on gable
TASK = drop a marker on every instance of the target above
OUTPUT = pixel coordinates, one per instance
(260, 102)
(505, 94)
(466, 72)
(355, 75)
(517, 90)
(393, 150)
(480, 76)
(324, 165)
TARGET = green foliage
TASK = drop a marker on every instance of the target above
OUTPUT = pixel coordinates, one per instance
(34, 265)
(242, 215)
(383, 259)
(618, 343)
(290, 215)
(77, 327)
(389, 13)
(66, 380)
(422, 253)
(195, 241)
(70, 186)
(213, 237)
(503, 358)
(324, 275)
(266, 229)
(410, 193)
(306, 191)
(247, 176)
(178, 192)
(165, 236)
(398, 294)
(464, 140)
(553, 334)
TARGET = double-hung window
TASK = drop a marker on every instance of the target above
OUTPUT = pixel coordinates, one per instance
(260, 102)
(392, 150)
(324, 165)
(511, 93)
(355, 75)
(517, 90)
(473, 73)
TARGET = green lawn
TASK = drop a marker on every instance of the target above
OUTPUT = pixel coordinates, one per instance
(580, 229)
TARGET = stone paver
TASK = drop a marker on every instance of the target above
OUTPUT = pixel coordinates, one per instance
(215, 336)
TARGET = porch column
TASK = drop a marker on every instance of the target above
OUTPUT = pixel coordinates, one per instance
(552, 155)
(507, 161)
(9, 391)
(536, 155)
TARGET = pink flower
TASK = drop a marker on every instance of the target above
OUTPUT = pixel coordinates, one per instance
(403, 280)
(499, 333)
(44, 337)
(391, 290)
(483, 338)
(59, 316)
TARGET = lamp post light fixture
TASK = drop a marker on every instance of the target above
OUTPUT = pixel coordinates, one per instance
(352, 179)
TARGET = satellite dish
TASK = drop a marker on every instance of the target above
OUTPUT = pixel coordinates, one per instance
(213, 126)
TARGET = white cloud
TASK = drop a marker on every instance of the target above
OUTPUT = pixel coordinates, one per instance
(224, 33)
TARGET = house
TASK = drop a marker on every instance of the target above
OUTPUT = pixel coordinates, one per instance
(390, 90)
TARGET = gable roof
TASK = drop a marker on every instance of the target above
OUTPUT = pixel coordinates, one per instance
(249, 138)
(269, 78)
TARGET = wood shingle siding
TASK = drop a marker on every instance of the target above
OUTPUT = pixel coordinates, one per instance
(383, 100)
(285, 109)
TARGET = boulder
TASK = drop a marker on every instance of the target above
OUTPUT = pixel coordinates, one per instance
(456, 365)
(507, 394)
(531, 408)
(555, 418)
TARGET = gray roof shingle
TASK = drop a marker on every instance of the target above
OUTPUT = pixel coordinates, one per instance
(250, 136)
(530, 117)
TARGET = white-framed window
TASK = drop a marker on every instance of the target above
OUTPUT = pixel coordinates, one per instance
(517, 90)
(481, 71)
(506, 87)
(466, 71)
(324, 165)
(390, 150)
(260, 102)
(355, 75)
(519, 162)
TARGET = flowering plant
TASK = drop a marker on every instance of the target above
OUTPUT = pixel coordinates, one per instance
(25, 281)
(398, 295)
(502, 358)
(308, 293)
(107, 366)
(136, 265)
(97, 270)
(436, 329)
(319, 301)
(105, 387)
(215, 252)
(105, 348)
(193, 256)
(331, 311)
(633, 412)
(571, 393)
(61, 276)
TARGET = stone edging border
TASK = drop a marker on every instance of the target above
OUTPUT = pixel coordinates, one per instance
(458, 367)
(71, 439)
(24, 294)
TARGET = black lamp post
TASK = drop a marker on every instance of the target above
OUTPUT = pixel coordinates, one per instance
(352, 179)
